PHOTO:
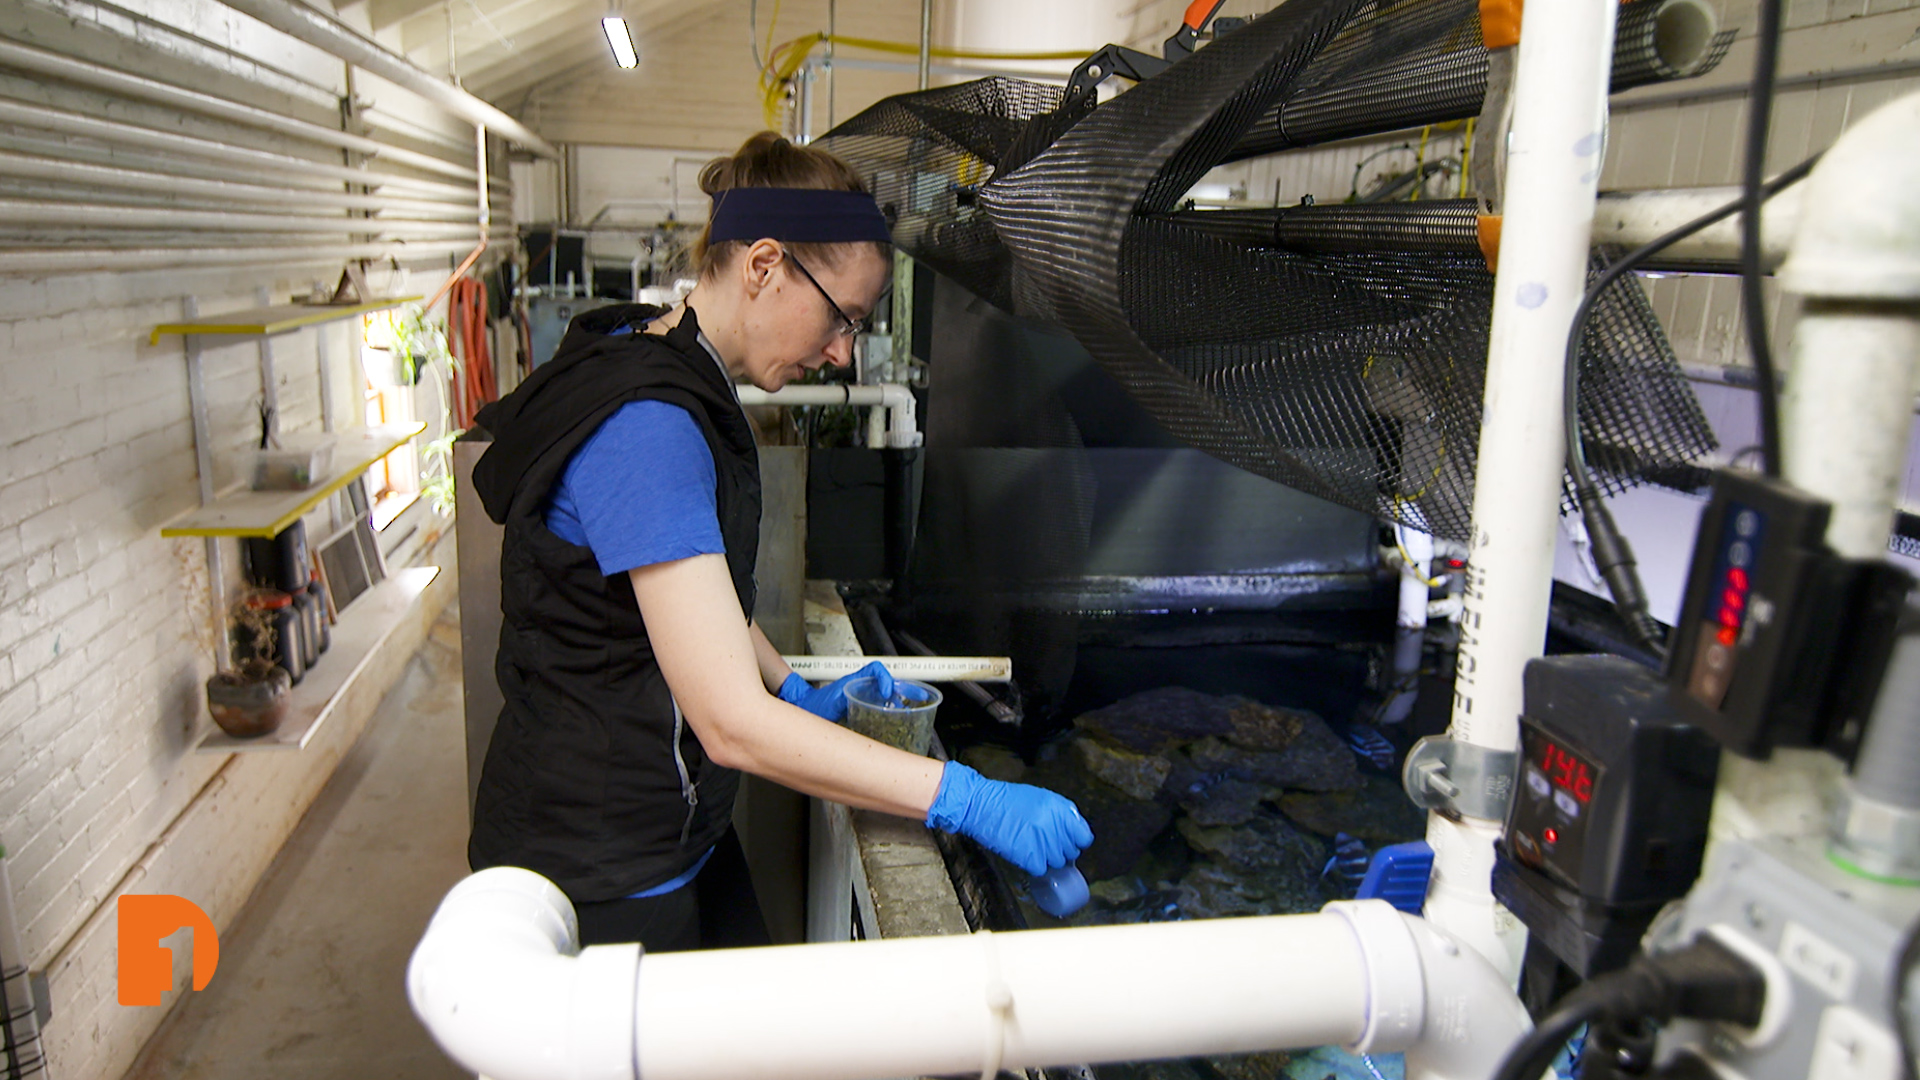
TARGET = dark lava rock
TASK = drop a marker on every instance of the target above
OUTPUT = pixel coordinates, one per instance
(1214, 892)
(1225, 802)
(1122, 825)
(1317, 761)
(1261, 845)
(1266, 1065)
(1378, 813)
(1139, 775)
(1159, 720)
(1265, 727)
(994, 762)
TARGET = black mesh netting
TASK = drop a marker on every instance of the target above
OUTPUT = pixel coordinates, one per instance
(1403, 63)
(1349, 373)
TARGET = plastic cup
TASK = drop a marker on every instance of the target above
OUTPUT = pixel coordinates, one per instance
(897, 721)
(1060, 891)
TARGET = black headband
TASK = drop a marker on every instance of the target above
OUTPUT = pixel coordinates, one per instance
(798, 215)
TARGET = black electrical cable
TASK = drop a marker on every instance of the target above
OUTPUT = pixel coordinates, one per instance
(1611, 553)
(1905, 969)
(1702, 981)
(1759, 114)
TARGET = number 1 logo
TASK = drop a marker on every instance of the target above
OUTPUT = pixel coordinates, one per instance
(146, 966)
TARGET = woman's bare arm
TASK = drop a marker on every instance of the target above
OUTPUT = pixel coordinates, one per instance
(708, 652)
(773, 666)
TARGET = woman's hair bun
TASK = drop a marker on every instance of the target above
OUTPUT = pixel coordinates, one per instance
(769, 159)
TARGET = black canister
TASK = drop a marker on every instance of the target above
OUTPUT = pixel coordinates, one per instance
(319, 591)
(280, 562)
(308, 606)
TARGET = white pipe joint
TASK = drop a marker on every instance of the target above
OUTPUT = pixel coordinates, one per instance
(1856, 350)
(500, 983)
(903, 431)
(1859, 230)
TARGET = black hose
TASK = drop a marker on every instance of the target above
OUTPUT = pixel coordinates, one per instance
(1759, 115)
(1611, 553)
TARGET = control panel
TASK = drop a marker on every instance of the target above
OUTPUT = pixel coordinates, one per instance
(1781, 643)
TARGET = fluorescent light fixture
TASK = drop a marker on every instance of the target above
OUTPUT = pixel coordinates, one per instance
(621, 41)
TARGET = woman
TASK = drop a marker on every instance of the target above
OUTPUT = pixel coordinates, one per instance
(636, 687)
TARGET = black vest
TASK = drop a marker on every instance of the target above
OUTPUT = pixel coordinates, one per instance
(592, 778)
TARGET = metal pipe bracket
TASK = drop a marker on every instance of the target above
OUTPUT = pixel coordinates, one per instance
(1459, 779)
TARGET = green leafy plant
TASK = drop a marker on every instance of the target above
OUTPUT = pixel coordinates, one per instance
(418, 340)
(437, 481)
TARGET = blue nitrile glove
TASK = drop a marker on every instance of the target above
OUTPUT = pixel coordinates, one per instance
(1030, 827)
(829, 702)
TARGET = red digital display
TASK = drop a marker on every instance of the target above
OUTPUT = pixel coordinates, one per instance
(1566, 771)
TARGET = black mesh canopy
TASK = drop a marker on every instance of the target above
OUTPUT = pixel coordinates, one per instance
(1351, 366)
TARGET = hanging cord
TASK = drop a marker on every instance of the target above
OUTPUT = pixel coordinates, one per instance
(1759, 114)
(1906, 969)
(1702, 981)
(474, 383)
(1611, 554)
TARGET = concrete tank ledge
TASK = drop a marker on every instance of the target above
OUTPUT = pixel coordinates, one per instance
(871, 875)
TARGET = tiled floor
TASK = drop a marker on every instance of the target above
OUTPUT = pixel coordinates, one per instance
(312, 973)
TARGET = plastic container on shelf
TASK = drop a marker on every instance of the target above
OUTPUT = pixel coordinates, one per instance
(300, 461)
(903, 720)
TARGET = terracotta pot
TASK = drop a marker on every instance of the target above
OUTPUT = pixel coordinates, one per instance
(251, 700)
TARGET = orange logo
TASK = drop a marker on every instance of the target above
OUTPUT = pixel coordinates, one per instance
(146, 966)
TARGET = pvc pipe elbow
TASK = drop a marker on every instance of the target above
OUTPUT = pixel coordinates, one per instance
(1859, 234)
(501, 984)
(1428, 995)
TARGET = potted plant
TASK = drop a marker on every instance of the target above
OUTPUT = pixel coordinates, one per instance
(251, 698)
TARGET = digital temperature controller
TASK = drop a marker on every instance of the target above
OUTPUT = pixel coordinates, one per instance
(1556, 788)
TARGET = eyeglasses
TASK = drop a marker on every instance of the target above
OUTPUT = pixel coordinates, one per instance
(848, 327)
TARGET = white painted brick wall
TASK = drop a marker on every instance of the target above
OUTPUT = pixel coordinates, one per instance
(105, 631)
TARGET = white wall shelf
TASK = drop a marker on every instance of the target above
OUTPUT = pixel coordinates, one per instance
(268, 513)
(363, 629)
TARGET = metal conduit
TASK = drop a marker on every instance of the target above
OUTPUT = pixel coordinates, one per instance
(69, 173)
(115, 156)
(54, 65)
(50, 213)
(338, 39)
(70, 260)
(70, 123)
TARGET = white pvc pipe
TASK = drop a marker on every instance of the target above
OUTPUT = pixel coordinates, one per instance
(902, 424)
(66, 68)
(1856, 351)
(112, 131)
(1632, 218)
(1554, 154)
(89, 260)
(497, 982)
(1411, 622)
(46, 212)
(336, 38)
(76, 174)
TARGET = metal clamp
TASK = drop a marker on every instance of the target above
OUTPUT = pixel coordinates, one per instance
(1460, 779)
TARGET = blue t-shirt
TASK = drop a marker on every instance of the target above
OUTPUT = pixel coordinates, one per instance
(639, 491)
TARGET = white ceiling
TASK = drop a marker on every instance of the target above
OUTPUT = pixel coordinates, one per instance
(502, 49)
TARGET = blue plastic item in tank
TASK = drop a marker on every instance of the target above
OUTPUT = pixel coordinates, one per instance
(1059, 892)
(1399, 875)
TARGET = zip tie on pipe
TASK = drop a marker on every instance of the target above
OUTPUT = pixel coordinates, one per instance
(999, 1008)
